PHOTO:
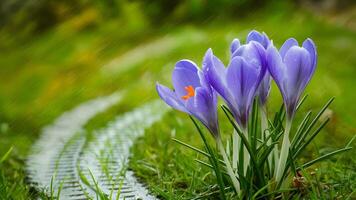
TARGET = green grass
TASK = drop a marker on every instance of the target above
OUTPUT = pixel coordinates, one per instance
(166, 166)
(57, 70)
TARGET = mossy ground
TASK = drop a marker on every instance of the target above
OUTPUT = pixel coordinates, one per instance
(58, 69)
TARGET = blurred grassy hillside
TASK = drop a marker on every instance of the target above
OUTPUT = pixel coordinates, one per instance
(57, 54)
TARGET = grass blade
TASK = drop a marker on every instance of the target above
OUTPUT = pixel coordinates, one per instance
(213, 160)
(6, 155)
(191, 147)
(208, 165)
(350, 142)
(265, 154)
(261, 190)
(300, 149)
(276, 192)
(243, 138)
(195, 149)
(311, 125)
(301, 128)
(325, 157)
(302, 101)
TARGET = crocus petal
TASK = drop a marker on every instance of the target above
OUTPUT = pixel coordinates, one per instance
(203, 107)
(263, 40)
(193, 94)
(287, 45)
(235, 44)
(264, 88)
(276, 67)
(204, 80)
(261, 53)
(309, 45)
(298, 71)
(253, 52)
(292, 70)
(258, 37)
(170, 97)
(185, 74)
(254, 36)
(242, 79)
(216, 73)
(207, 62)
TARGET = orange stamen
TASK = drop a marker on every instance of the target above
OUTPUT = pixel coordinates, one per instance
(190, 92)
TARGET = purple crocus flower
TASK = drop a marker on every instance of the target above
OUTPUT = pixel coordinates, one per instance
(292, 68)
(237, 84)
(192, 94)
(265, 85)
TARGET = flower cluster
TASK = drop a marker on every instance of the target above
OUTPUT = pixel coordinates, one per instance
(247, 77)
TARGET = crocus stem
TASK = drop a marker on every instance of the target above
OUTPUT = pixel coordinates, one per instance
(275, 158)
(228, 165)
(246, 154)
(264, 124)
(284, 151)
(264, 128)
(235, 149)
(265, 131)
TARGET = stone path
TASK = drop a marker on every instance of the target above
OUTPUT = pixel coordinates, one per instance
(84, 167)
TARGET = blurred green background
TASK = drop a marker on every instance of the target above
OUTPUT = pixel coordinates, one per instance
(57, 54)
